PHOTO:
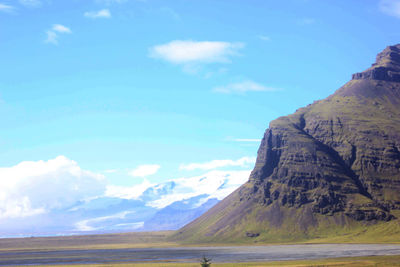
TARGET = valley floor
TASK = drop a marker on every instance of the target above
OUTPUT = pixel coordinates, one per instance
(153, 249)
(186, 256)
(373, 261)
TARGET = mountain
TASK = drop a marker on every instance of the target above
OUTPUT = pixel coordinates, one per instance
(168, 205)
(179, 213)
(330, 171)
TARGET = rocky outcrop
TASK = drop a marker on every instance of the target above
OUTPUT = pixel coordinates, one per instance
(334, 162)
(386, 68)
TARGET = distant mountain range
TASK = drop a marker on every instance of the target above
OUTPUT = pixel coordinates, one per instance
(164, 206)
(330, 170)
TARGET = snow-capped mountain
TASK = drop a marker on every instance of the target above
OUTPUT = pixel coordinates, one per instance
(87, 204)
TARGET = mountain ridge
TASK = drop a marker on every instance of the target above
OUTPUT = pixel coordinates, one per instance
(330, 166)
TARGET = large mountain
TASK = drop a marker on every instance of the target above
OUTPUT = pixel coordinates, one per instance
(331, 169)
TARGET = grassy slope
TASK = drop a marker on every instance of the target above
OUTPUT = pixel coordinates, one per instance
(326, 232)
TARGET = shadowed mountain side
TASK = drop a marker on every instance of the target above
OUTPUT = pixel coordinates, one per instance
(178, 214)
(330, 168)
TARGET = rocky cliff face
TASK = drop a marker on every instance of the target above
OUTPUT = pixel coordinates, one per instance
(334, 163)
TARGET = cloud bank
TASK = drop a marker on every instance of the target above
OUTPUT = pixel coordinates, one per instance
(36, 187)
(58, 197)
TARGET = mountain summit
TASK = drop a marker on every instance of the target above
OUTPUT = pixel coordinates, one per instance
(330, 169)
(386, 68)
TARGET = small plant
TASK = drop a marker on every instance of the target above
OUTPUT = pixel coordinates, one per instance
(205, 262)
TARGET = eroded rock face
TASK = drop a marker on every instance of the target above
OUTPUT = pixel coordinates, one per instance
(340, 154)
(386, 68)
(337, 158)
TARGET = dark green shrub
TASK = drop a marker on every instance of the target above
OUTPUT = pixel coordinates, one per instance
(205, 262)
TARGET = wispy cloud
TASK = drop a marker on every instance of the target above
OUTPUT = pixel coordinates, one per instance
(246, 140)
(263, 37)
(191, 53)
(306, 21)
(390, 7)
(170, 12)
(145, 170)
(214, 164)
(104, 13)
(31, 3)
(110, 2)
(61, 28)
(52, 35)
(6, 8)
(243, 87)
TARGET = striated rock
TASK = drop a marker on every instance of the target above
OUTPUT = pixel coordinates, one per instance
(335, 162)
(386, 68)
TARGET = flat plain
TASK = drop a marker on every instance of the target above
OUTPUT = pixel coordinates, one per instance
(153, 249)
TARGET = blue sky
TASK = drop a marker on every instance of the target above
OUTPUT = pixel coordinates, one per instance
(117, 84)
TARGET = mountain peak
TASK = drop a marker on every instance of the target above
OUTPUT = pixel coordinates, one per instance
(386, 67)
(330, 169)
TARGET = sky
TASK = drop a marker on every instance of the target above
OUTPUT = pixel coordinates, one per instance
(133, 92)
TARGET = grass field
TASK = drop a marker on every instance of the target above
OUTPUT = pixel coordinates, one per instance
(108, 241)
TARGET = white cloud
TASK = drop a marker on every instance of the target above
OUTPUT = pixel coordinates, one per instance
(35, 187)
(189, 52)
(6, 8)
(145, 170)
(61, 28)
(243, 87)
(31, 3)
(104, 13)
(263, 37)
(214, 164)
(52, 35)
(390, 7)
